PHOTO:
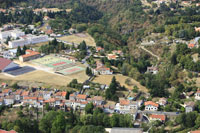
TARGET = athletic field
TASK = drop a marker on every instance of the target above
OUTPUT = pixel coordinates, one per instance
(59, 65)
(52, 61)
(70, 70)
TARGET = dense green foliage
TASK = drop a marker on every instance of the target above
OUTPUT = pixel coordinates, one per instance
(26, 16)
(183, 55)
(53, 47)
(59, 122)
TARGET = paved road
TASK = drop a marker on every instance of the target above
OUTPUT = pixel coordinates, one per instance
(142, 47)
(159, 112)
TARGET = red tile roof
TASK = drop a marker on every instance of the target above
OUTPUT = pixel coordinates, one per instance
(3, 84)
(81, 96)
(161, 117)
(97, 98)
(4, 131)
(63, 94)
(4, 63)
(25, 93)
(197, 131)
(71, 95)
(18, 92)
(99, 48)
(191, 45)
(6, 90)
(124, 102)
(151, 103)
(32, 98)
(32, 53)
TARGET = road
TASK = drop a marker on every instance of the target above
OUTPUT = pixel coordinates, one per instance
(142, 47)
(159, 112)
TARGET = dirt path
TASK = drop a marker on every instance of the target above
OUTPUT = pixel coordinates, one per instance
(142, 47)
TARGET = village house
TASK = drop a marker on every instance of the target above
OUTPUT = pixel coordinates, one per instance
(191, 45)
(99, 49)
(81, 97)
(47, 94)
(162, 101)
(108, 109)
(196, 131)
(50, 101)
(101, 69)
(149, 105)
(112, 57)
(30, 100)
(197, 95)
(1, 102)
(125, 105)
(197, 29)
(9, 100)
(4, 85)
(7, 92)
(72, 97)
(4, 131)
(46, 18)
(159, 117)
(98, 100)
(18, 95)
(152, 69)
(30, 55)
(189, 106)
(61, 95)
(83, 104)
(117, 52)
(25, 94)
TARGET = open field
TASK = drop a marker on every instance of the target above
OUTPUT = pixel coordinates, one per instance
(78, 38)
(46, 77)
(106, 79)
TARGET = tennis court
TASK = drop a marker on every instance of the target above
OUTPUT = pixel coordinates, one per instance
(52, 61)
(71, 70)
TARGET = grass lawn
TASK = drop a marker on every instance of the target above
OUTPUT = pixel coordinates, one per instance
(47, 78)
(78, 38)
(106, 79)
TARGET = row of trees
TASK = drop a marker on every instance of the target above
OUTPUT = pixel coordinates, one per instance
(21, 51)
(26, 16)
(95, 120)
(53, 47)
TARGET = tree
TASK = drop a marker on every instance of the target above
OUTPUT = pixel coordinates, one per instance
(24, 49)
(8, 39)
(45, 124)
(88, 71)
(92, 129)
(58, 126)
(83, 46)
(89, 108)
(19, 51)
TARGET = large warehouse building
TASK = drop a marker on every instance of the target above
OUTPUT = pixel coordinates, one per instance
(7, 65)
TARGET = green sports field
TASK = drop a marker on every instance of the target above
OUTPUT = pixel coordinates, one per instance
(59, 65)
(71, 70)
(52, 61)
